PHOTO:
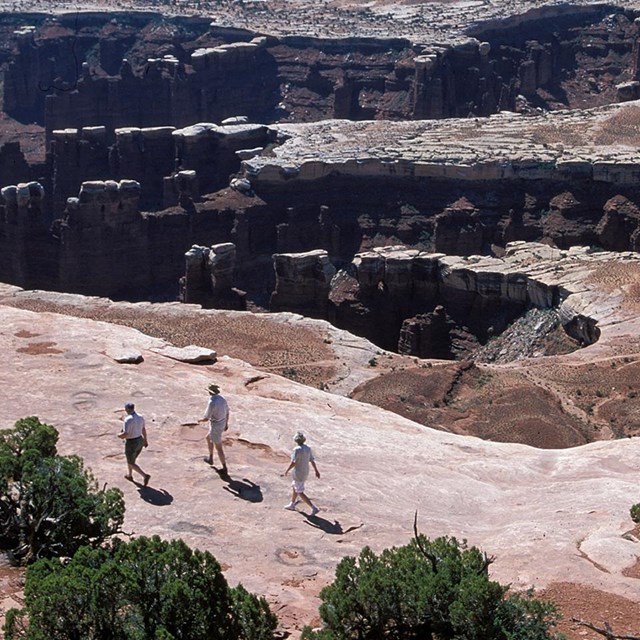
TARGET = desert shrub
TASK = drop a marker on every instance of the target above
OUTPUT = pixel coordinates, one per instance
(50, 505)
(426, 590)
(145, 589)
(634, 512)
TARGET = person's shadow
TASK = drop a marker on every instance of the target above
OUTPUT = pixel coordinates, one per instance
(157, 497)
(333, 528)
(245, 489)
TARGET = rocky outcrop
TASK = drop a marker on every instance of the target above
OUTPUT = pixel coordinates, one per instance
(172, 166)
(77, 156)
(81, 71)
(437, 306)
(13, 166)
(210, 276)
(181, 188)
(302, 283)
(212, 151)
(619, 227)
(24, 233)
(146, 155)
(215, 83)
(93, 255)
(427, 335)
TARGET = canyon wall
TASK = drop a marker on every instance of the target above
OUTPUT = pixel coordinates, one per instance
(151, 156)
(420, 303)
(147, 71)
(87, 247)
(218, 82)
(116, 122)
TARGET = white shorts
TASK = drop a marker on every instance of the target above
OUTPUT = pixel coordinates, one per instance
(298, 487)
(215, 434)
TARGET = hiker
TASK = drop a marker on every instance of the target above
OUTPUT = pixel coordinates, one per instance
(301, 456)
(134, 433)
(217, 413)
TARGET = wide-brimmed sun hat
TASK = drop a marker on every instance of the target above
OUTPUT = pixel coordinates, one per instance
(213, 388)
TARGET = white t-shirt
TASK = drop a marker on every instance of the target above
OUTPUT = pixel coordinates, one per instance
(217, 412)
(133, 425)
(301, 456)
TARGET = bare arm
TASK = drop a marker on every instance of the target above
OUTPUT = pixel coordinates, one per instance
(226, 423)
(313, 462)
(291, 465)
(207, 413)
(144, 435)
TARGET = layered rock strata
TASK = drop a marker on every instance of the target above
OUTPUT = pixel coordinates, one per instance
(156, 157)
(210, 72)
(302, 283)
(414, 302)
(458, 187)
(92, 251)
(215, 83)
(210, 276)
(24, 232)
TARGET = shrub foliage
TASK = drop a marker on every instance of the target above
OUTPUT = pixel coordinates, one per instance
(146, 589)
(50, 505)
(634, 512)
(426, 590)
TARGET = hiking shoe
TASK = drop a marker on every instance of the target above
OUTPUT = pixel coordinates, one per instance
(291, 506)
(314, 510)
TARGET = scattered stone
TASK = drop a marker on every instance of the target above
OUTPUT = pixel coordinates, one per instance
(191, 354)
(127, 357)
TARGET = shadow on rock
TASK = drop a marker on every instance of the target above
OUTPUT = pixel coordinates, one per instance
(244, 489)
(334, 528)
(157, 497)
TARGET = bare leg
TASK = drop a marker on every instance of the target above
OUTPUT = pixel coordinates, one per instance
(210, 446)
(220, 455)
(134, 467)
(303, 497)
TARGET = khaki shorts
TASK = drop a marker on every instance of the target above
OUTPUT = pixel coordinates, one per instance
(215, 434)
(298, 487)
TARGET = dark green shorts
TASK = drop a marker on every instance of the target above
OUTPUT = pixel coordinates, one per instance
(132, 448)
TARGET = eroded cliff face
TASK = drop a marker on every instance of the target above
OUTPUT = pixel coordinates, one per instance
(145, 70)
(340, 213)
(114, 116)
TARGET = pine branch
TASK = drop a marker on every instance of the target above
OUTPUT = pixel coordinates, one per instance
(607, 631)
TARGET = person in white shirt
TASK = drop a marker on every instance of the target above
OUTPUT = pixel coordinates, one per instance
(217, 413)
(134, 433)
(301, 457)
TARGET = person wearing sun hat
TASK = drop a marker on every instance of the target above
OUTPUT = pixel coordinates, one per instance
(217, 413)
(301, 457)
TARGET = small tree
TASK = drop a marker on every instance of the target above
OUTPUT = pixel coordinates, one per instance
(426, 590)
(50, 505)
(146, 589)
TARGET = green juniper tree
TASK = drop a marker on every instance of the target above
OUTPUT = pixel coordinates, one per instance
(426, 590)
(145, 589)
(50, 505)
